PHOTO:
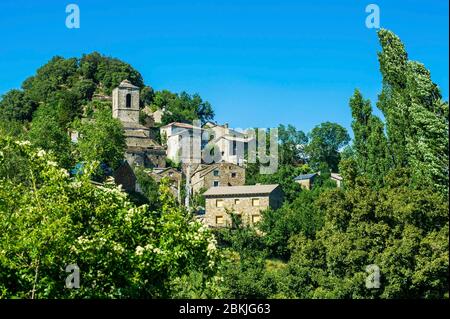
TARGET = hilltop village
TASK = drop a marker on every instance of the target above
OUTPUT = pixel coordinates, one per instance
(149, 198)
(222, 183)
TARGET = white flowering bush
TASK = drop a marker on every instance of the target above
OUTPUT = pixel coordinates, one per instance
(49, 220)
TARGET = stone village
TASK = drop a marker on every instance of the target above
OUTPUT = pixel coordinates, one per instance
(221, 181)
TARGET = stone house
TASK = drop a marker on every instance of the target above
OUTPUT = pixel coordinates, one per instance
(142, 149)
(215, 175)
(306, 180)
(175, 178)
(186, 142)
(182, 141)
(230, 143)
(246, 202)
(337, 178)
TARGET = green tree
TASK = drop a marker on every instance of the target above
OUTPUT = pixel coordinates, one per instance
(101, 139)
(182, 107)
(326, 140)
(48, 133)
(16, 105)
(302, 216)
(149, 187)
(50, 221)
(397, 228)
(291, 145)
(370, 143)
(416, 116)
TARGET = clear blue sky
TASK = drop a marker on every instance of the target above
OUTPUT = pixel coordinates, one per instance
(259, 64)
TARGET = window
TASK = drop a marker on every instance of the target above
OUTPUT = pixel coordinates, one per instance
(128, 100)
(219, 203)
(219, 220)
(233, 175)
(216, 183)
(216, 172)
(256, 218)
(234, 148)
(237, 201)
(255, 202)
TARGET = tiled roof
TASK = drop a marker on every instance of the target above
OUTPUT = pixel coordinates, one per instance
(305, 176)
(240, 190)
(179, 124)
(127, 84)
(336, 176)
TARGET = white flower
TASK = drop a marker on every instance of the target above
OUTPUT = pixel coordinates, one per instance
(52, 163)
(76, 184)
(211, 246)
(157, 250)
(23, 143)
(41, 153)
(139, 250)
(65, 173)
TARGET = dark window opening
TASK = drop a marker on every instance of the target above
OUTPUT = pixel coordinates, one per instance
(234, 150)
(128, 100)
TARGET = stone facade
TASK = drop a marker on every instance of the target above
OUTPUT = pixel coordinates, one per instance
(306, 180)
(231, 144)
(175, 178)
(126, 102)
(246, 202)
(190, 141)
(219, 174)
(142, 149)
(124, 175)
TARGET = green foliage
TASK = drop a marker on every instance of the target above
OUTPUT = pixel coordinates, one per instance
(198, 200)
(302, 216)
(416, 116)
(69, 83)
(291, 145)
(146, 96)
(370, 143)
(16, 106)
(326, 140)
(182, 107)
(101, 139)
(284, 176)
(49, 221)
(399, 229)
(47, 132)
(244, 270)
(109, 72)
(149, 187)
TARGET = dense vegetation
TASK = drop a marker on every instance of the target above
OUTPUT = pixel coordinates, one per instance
(392, 211)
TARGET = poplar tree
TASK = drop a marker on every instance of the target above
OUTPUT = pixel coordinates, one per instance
(416, 116)
(369, 144)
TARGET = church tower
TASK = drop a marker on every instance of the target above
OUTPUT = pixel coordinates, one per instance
(125, 99)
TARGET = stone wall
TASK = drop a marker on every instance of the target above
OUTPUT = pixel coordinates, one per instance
(120, 110)
(228, 175)
(245, 206)
(124, 175)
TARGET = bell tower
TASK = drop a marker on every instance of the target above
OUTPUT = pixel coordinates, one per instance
(125, 99)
